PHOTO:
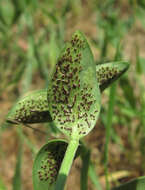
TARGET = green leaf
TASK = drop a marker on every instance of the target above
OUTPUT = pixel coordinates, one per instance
(107, 73)
(17, 183)
(93, 176)
(128, 91)
(47, 163)
(6, 12)
(32, 108)
(136, 184)
(73, 92)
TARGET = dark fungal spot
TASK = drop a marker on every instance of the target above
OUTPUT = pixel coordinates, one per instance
(70, 75)
(75, 50)
(76, 60)
(74, 86)
(75, 70)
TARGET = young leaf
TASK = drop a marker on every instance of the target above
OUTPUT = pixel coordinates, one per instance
(32, 108)
(136, 184)
(73, 92)
(107, 73)
(47, 163)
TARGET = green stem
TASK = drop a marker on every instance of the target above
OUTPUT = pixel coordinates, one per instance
(85, 168)
(66, 164)
(108, 129)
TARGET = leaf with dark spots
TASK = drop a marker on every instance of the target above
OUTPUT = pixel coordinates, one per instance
(32, 108)
(47, 163)
(107, 73)
(77, 81)
(36, 102)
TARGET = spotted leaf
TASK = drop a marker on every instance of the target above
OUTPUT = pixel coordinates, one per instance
(107, 73)
(47, 163)
(73, 92)
(32, 108)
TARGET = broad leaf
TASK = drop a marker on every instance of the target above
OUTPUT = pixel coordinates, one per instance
(32, 108)
(73, 92)
(47, 163)
(107, 73)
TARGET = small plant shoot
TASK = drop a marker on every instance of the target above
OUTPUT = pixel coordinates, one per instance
(72, 101)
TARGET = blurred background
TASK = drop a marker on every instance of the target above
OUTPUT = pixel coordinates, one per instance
(32, 33)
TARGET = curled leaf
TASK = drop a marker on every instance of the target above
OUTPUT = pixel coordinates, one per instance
(47, 163)
(32, 108)
(73, 92)
(107, 73)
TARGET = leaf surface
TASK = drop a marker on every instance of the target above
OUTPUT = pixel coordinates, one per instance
(32, 108)
(107, 73)
(47, 163)
(73, 92)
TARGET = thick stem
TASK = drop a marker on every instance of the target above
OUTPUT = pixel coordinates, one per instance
(66, 164)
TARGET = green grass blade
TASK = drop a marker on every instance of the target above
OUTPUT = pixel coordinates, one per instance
(85, 156)
(109, 118)
(93, 176)
(41, 65)
(108, 130)
(19, 73)
(138, 62)
(17, 182)
(27, 77)
(128, 91)
(24, 138)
